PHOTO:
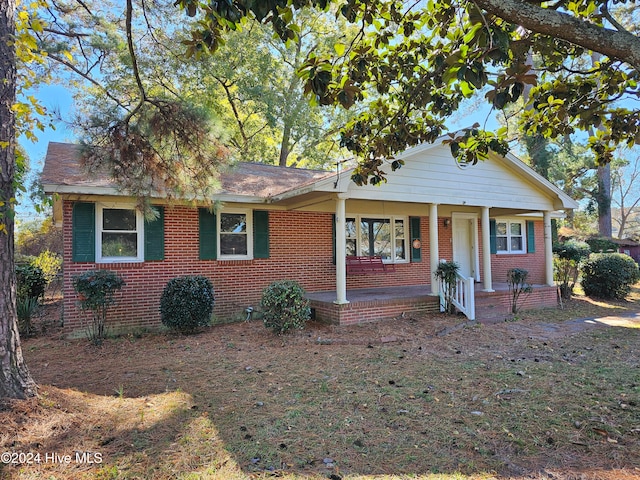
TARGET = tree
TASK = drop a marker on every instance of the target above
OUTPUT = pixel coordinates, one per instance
(626, 198)
(146, 138)
(249, 87)
(15, 379)
(421, 60)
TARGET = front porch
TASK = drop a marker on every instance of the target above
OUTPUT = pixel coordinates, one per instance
(371, 304)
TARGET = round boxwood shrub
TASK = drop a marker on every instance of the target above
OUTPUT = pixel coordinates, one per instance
(284, 307)
(31, 281)
(609, 275)
(186, 303)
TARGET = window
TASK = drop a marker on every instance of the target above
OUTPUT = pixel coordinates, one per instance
(235, 232)
(119, 234)
(377, 237)
(510, 237)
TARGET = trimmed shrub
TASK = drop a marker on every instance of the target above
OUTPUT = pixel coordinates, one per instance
(284, 307)
(602, 245)
(186, 303)
(609, 275)
(31, 281)
(96, 292)
(569, 257)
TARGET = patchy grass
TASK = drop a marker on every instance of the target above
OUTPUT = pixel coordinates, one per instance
(545, 397)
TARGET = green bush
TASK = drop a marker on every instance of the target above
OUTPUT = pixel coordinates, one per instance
(602, 245)
(96, 292)
(609, 275)
(284, 307)
(31, 281)
(569, 257)
(186, 303)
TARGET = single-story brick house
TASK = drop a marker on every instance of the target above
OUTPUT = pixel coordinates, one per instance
(285, 223)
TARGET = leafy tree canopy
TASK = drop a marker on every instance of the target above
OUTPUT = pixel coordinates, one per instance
(414, 63)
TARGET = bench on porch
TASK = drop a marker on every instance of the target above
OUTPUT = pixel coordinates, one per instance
(360, 265)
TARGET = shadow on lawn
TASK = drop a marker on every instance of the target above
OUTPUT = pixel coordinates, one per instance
(237, 402)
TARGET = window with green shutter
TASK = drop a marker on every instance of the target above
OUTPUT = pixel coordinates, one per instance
(154, 237)
(208, 237)
(260, 234)
(83, 225)
(531, 237)
(416, 253)
(493, 244)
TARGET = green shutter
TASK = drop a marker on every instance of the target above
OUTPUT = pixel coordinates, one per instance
(333, 236)
(208, 236)
(260, 234)
(531, 237)
(83, 232)
(554, 230)
(493, 244)
(154, 237)
(414, 229)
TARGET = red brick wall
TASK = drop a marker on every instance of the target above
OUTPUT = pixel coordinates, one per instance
(301, 248)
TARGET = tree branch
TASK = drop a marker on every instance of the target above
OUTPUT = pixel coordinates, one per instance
(619, 45)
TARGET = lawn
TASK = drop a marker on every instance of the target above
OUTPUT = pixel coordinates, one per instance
(431, 397)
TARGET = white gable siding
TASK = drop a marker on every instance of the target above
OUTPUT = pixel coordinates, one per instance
(432, 176)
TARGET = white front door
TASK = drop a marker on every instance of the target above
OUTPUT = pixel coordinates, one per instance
(465, 243)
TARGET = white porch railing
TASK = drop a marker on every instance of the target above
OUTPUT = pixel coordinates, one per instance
(463, 298)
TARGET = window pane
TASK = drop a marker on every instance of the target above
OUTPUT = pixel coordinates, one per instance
(233, 222)
(351, 247)
(501, 228)
(400, 249)
(516, 229)
(233, 244)
(516, 244)
(365, 241)
(351, 228)
(382, 238)
(119, 244)
(501, 244)
(118, 219)
(399, 229)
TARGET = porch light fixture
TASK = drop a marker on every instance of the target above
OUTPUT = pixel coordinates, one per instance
(447, 222)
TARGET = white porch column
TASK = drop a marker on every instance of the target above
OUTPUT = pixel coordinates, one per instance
(341, 242)
(486, 251)
(548, 249)
(434, 254)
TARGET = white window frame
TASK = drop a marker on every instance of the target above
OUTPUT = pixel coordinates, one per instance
(249, 216)
(509, 222)
(139, 231)
(392, 220)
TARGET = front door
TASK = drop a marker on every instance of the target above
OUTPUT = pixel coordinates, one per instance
(465, 243)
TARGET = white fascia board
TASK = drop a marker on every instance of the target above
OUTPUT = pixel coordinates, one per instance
(51, 189)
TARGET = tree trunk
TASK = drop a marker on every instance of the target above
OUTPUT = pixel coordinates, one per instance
(604, 201)
(15, 380)
(284, 148)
